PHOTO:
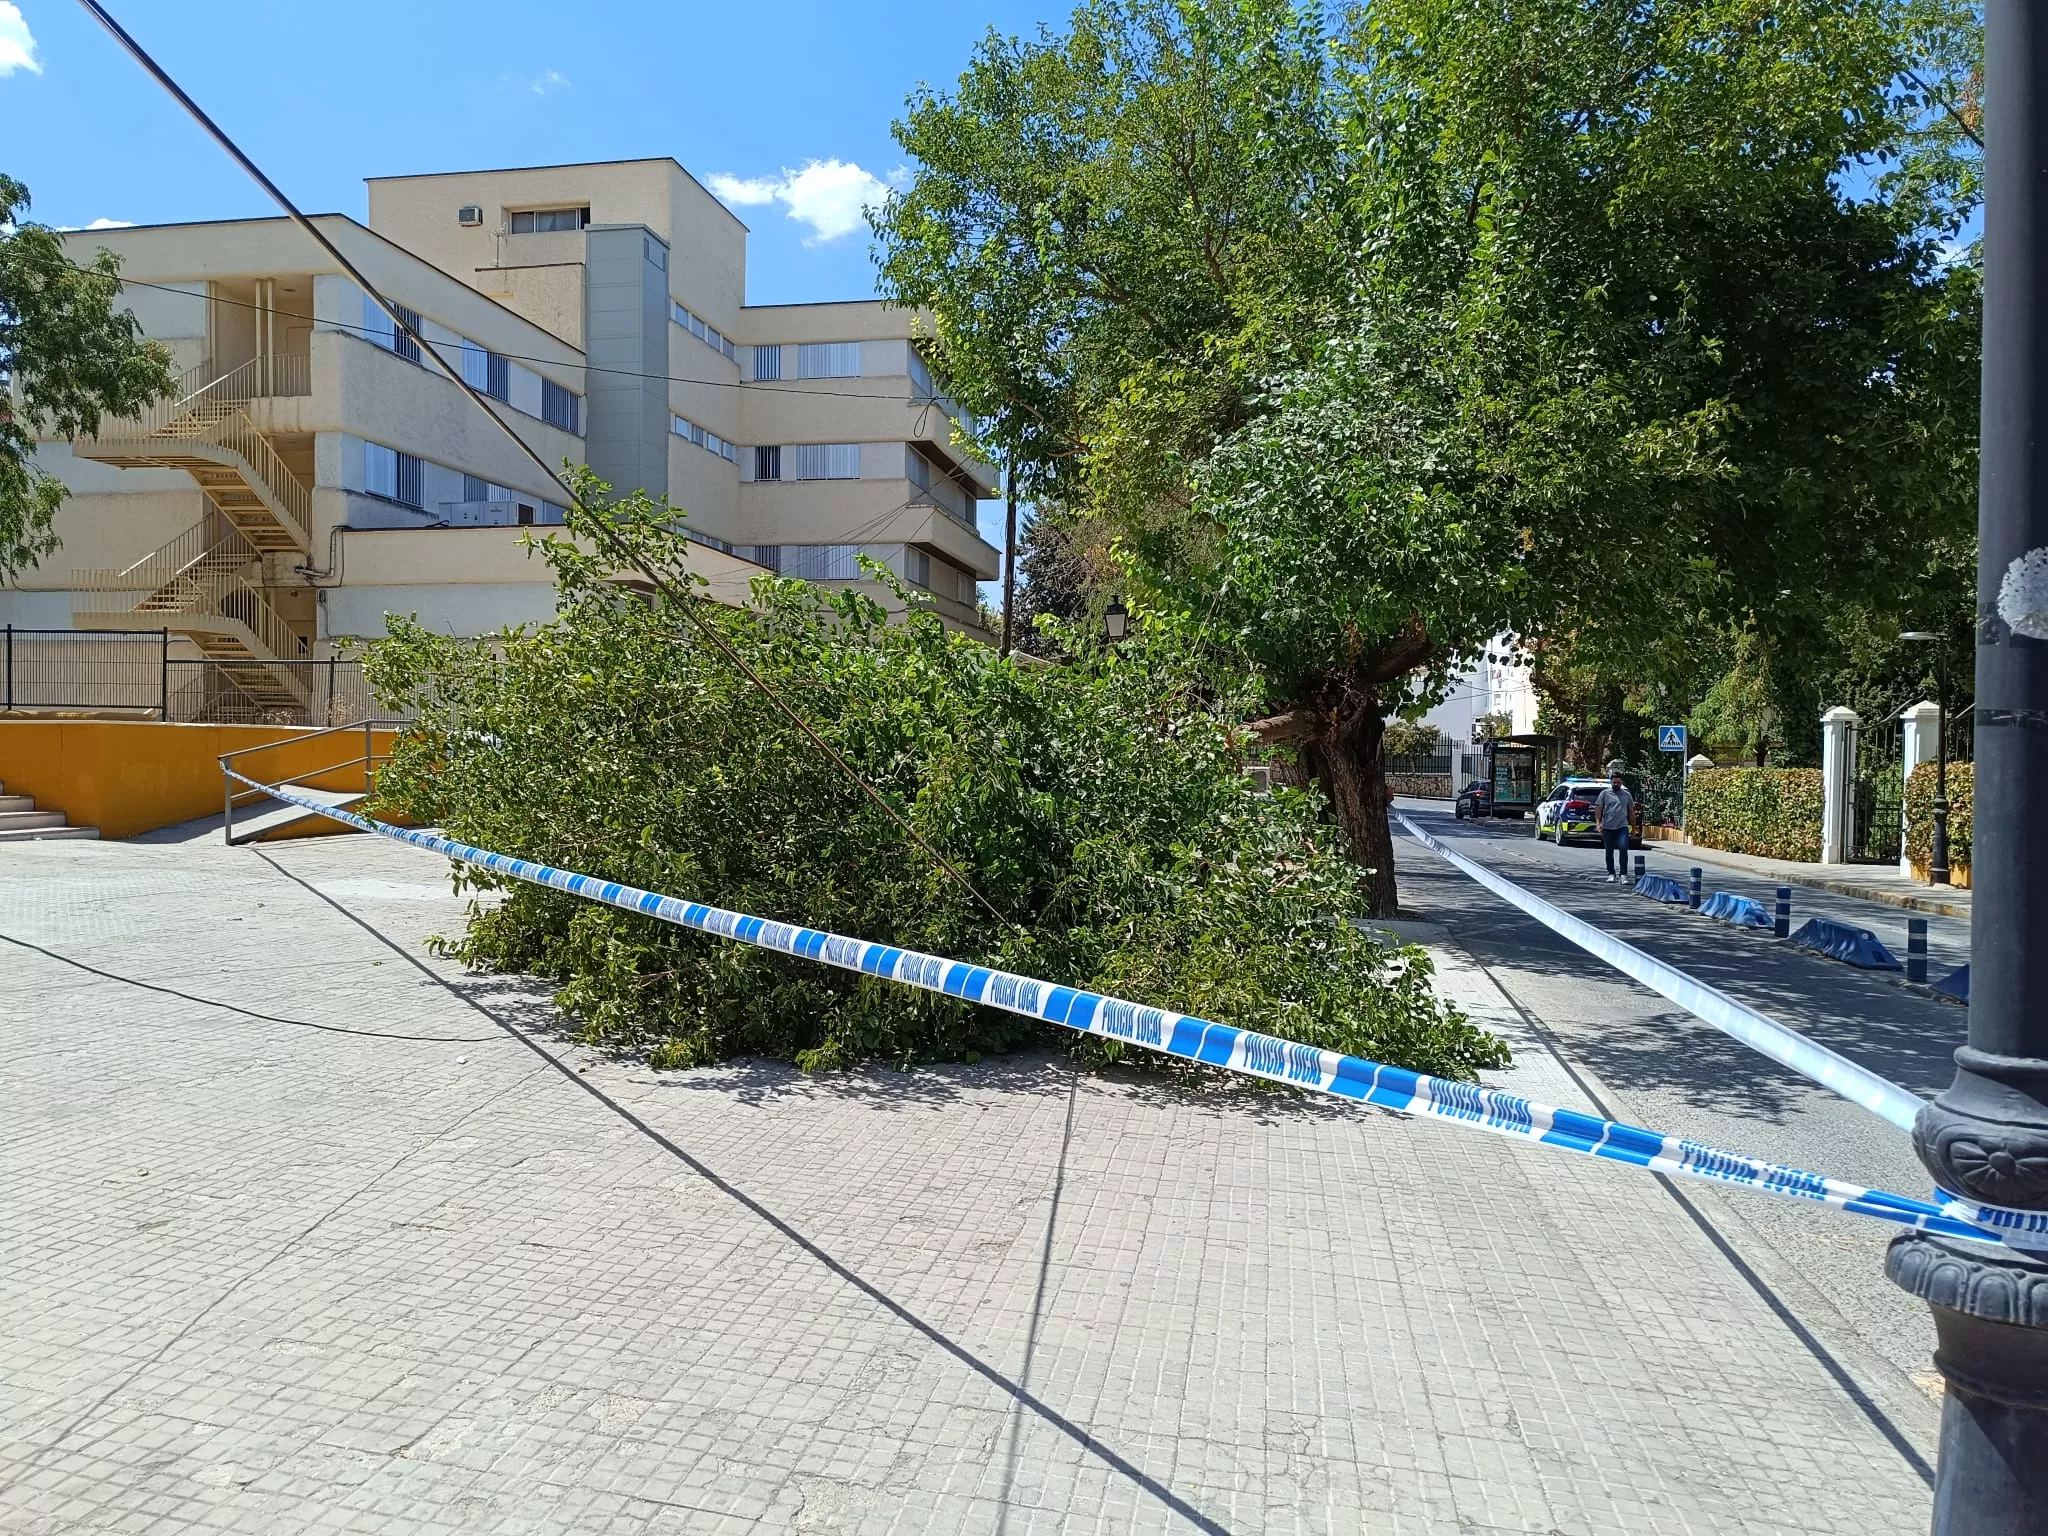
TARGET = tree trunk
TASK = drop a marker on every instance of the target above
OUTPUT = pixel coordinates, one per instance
(1354, 775)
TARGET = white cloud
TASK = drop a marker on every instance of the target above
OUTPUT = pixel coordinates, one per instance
(17, 46)
(828, 195)
(111, 224)
(548, 80)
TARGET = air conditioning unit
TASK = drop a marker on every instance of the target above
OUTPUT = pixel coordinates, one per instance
(469, 215)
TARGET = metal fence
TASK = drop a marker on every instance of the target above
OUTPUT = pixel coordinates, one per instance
(133, 674)
(1880, 791)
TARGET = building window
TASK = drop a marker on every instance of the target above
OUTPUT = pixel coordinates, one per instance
(920, 376)
(406, 342)
(937, 487)
(703, 330)
(559, 407)
(767, 463)
(917, 567)
(683, 427)
(393, 475)
(474, 489)
(488, 371)
(828, 360)
(828, 461)
(767, 363)
(541, 221)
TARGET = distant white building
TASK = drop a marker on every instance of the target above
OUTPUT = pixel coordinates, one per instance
(1491, 685)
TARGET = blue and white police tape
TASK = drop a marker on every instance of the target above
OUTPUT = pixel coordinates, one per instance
(1194, 1039)
(2022, 1229)
(1759, 1032)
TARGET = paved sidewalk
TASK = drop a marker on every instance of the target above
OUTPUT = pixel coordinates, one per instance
(396, 1258)
(1867, 882)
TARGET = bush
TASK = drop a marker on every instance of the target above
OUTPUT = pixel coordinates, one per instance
(1101, 803)
(1772, 812)
(1962, 786)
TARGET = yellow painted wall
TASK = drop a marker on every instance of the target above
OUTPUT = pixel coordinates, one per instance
(128, 777)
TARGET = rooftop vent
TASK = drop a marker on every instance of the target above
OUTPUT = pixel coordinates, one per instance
(469, 215)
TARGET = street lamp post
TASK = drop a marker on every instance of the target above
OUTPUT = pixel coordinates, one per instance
(1985, 1137)
(1937, 858)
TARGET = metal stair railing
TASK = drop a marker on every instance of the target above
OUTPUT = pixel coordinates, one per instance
(368, 758)
(214, 411)
(105, 589)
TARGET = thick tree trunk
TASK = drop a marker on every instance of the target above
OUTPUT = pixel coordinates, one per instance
(1354, 775)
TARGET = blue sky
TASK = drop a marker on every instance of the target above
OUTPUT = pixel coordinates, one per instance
(787, 106)
(324, 95)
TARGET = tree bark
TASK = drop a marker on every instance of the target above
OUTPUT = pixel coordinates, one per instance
(1355, 777)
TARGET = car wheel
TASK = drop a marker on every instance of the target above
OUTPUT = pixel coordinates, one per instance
(1539, 829)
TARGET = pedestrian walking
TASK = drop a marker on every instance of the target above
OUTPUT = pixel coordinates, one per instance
(1612, 811)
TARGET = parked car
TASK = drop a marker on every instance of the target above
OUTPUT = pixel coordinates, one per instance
(1474, 800)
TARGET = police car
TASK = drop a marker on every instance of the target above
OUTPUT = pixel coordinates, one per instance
(1569, 812)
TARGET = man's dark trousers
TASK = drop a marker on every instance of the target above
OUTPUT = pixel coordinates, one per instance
(1614, 843)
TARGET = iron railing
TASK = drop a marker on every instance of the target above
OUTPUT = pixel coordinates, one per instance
(79, 671)
(248, 762)
(214, 411)
(132, 672)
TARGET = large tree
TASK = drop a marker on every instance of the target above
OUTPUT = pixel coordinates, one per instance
(1563, 318)
(67, 358)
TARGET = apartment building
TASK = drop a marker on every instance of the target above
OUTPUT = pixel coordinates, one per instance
(315, 472)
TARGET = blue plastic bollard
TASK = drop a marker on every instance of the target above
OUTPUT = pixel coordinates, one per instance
(1916, 949)
(1696, 872)
(1782, 927)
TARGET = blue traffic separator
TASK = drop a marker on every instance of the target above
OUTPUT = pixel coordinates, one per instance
(1742, 911)
(1664, 888)
(1840, 941)
(1955, 984)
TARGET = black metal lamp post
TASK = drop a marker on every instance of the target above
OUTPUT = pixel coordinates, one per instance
(1937, 859)
(1986, 1136)
(1116, 619)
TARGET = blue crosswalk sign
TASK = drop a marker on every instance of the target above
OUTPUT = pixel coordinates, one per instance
(1670, 738)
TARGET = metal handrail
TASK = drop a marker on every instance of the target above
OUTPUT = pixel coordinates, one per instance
(369, 758)
(215, 412)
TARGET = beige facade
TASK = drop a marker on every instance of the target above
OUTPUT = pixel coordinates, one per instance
(315, 474)
(500, 231)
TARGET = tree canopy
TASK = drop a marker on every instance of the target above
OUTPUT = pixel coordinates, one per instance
(1592, 321)
(67, 358)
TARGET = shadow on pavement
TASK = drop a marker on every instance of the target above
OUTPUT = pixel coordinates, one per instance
(1017, 1391)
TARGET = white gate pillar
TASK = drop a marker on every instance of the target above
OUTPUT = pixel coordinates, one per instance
(1838, 784)
(1923, 726)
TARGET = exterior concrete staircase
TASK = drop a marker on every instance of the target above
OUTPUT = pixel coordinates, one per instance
(20, 821)
(205, 429)
(202, 586)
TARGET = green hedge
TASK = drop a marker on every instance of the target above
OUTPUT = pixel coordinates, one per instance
(1772, 812)
(1962, 785)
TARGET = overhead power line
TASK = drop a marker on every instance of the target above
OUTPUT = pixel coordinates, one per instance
(773, 386)
(617, 547)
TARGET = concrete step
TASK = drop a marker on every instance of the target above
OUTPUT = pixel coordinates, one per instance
(36, 834)
(17, 802)
(14, 821)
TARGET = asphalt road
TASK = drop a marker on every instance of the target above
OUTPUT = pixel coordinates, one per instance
(1658, 1066)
